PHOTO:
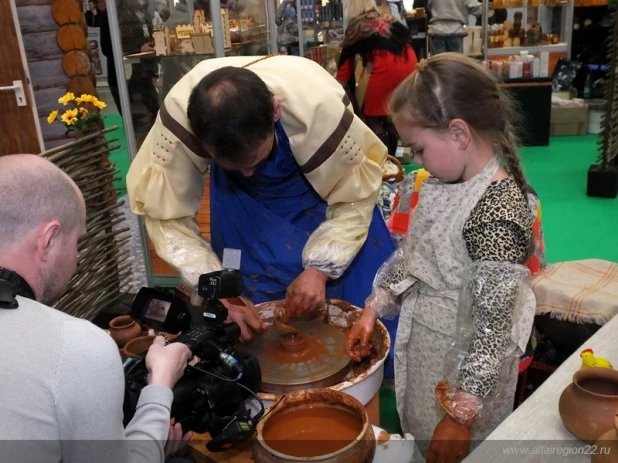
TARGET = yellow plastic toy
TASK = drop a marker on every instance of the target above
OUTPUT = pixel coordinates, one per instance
(590, 361)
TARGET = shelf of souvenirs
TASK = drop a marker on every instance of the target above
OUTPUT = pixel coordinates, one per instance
(197, 38)
(506, 4)
(551, 48)
(524, 66)
(510, 37)
(326, 56)
(580, 3)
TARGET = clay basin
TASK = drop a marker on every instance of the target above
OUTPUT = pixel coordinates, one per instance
(588, 405)
(317, 425)
(138, 346)
(365, 378)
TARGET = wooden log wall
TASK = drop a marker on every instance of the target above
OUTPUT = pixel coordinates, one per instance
(40, 32)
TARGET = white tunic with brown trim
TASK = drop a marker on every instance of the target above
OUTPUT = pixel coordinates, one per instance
(338, 154)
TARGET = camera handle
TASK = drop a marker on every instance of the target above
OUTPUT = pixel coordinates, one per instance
(215, 312)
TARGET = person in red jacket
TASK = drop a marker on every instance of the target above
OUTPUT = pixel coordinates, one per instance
(382, 43)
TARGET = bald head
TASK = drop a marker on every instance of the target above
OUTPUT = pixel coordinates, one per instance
(34, 191)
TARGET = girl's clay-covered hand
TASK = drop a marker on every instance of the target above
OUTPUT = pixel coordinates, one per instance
(306, 294)
(246, 315)
(450, 442)
(358, 343)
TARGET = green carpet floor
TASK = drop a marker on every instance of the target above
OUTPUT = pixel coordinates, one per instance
(575, 226)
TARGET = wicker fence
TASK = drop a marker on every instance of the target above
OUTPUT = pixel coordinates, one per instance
(103, 267)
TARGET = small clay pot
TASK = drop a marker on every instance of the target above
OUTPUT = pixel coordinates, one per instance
(588, 405)
(138, 346)
(341, 421)
(122, 329)
(607, 446)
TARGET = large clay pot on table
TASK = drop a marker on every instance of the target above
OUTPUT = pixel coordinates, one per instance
(317, 425)
(588, 405)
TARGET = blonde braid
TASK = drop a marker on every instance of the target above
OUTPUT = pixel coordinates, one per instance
(508, 147)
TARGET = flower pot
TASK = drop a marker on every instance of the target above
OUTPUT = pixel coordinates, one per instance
(588, 405)
(316, 425)
(122, 329)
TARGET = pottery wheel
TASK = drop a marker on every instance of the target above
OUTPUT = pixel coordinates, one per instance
(315, 357)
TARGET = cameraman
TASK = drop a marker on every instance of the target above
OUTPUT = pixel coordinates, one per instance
(62, 378)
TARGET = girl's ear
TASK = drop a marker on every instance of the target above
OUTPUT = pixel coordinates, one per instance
(460, 133)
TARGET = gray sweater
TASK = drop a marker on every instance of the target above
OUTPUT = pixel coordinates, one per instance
(448, 17)
(61, 394)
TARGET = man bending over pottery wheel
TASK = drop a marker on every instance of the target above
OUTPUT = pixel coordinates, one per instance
(293, 185)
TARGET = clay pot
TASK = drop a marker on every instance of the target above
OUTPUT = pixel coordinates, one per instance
(138, 346)
(588, 405)
(607, 446)
(316, 425)
(123, 329)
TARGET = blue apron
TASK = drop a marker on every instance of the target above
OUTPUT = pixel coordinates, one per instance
(269, 217)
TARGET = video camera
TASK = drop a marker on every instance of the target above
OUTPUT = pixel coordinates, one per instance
(210, 396)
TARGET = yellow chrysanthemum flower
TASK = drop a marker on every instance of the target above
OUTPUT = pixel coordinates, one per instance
(86, 99)
(83, 111)
(99, 104)
(66, 98)
(52, 117)
(69, 117)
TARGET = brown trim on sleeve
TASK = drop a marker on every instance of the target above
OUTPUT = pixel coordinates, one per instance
(330, 145)
(186, 137)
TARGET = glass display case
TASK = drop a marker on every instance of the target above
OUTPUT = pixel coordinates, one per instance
(542, 28)
(154, 43)
(310, 28)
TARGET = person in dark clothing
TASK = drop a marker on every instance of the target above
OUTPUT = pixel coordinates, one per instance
(93, 14)
(136, 37)
(107, 50)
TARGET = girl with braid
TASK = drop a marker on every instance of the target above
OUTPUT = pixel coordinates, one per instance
(470, 234)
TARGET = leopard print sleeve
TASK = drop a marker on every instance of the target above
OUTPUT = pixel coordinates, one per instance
(499, 229)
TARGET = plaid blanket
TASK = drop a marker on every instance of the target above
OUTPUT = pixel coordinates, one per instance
(583, 291)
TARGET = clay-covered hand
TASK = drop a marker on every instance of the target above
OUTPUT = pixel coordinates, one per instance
(166, 364)
(450, 442)
(462, 406)
(358, 343)
(243, 312)
(175, 440)
(306, 294)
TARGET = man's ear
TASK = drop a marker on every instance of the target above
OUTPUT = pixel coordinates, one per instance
(460, 133)
(48, 239)
(277, 105)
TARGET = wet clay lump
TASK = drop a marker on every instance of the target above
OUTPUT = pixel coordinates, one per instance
(311, 431)
(292, 348)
